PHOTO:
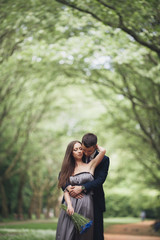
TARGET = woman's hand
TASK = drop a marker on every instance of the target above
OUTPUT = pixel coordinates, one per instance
(70, 210)
(101, 149)
(94, 163)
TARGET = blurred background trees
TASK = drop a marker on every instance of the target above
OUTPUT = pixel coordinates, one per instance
(67, 68)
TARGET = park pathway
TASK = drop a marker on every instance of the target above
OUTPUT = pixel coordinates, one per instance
(128, 237)
(133, 231)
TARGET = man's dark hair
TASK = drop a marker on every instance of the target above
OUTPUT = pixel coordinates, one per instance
(89, 140)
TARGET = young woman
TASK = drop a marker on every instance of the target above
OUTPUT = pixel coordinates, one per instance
(76, 172)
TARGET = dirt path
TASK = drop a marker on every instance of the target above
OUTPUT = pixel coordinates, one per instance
(132, 231)
(128, 237)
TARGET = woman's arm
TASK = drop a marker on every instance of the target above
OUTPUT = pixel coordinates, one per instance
(97, 160)
(70, 209)
(100, 177)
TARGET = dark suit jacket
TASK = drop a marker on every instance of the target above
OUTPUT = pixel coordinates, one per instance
(100, 175)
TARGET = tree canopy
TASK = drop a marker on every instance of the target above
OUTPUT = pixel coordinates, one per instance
(139, 19)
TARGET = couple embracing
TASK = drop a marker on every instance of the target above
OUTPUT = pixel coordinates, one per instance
(83, 172)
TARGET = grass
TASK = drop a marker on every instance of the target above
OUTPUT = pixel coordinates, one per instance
(122, 220)
(27, 235)
(42, 225)
(44, 230)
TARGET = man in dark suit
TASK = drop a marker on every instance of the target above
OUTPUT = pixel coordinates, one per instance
(89, 142)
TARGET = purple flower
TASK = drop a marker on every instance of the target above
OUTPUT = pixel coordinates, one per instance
(85, 227)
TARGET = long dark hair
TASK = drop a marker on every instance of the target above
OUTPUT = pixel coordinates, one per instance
(68, 165)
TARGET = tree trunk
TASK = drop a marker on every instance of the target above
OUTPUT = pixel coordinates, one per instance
(47, 207)
(4, 201)
(31, 207)
(38, 204)
(20, 197)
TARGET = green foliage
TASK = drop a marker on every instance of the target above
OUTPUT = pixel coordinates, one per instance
(122, 205)
(138, 19)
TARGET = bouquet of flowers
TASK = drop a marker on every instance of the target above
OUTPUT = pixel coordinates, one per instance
(81, 223)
